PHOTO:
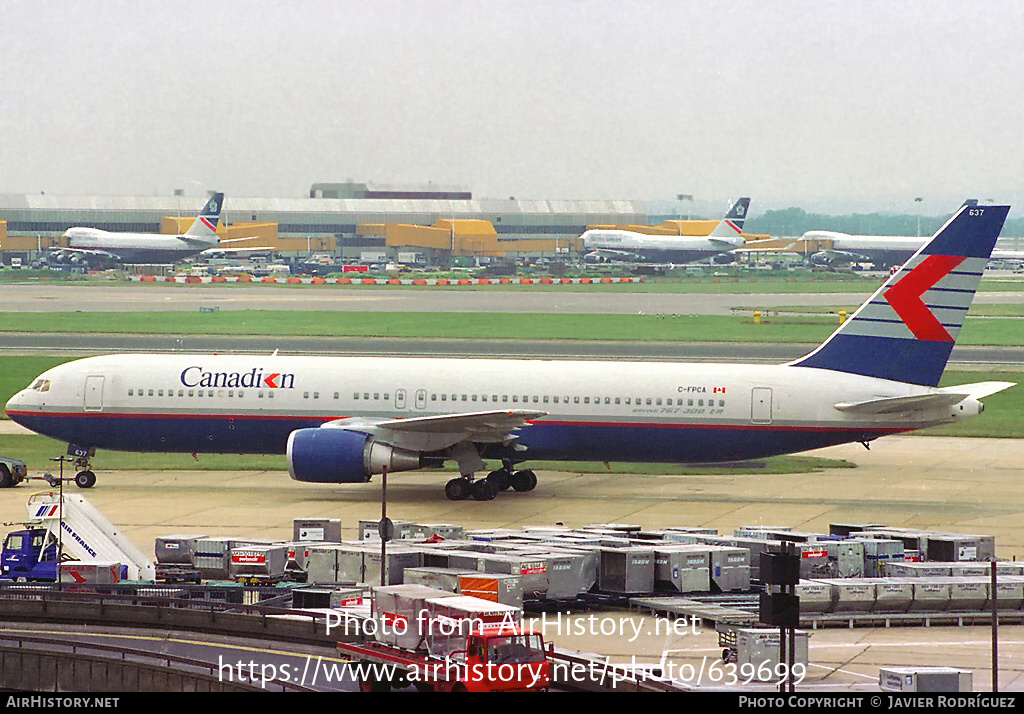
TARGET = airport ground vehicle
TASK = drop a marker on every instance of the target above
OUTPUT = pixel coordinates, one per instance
(503, 659)
(12, 472)
(87, 535)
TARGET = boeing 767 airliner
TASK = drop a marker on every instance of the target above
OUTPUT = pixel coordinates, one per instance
(343, 419)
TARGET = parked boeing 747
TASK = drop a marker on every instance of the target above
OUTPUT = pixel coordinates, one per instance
(619, 246)
(343, 419)
(93, 243)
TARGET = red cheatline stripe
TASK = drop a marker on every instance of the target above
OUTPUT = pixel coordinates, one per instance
(541, 422)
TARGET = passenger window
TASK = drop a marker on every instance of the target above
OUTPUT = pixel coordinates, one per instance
(545, 400)
(658, 401)
(160, 393)
(607, 400)
(444, 397)
(316, 395)
(464, 398)
(483, 397)
(181, 392)
(586, 400)
(335, 395)
(494, 397)
(387, 396)
(689, 402)
(515, 397)
(433, 397)
(575, 400)
(617, 400)
(231, 392)
(376, 395)
(721, 402)
(131, 392)
(190, 393)
(535, 400)
(355, 395)
(628, 400)
(305, 395)
(366, 395)
(504, 397)
(700, 402)
(648, 401)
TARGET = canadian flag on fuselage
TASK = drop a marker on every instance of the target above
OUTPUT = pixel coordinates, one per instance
(906, 331)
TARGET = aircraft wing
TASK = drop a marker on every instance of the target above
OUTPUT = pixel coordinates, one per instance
(238, 251)
(84, 252)
(608, 254)
(431, 433)
(844, 255)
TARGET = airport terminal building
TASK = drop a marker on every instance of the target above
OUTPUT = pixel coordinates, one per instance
(354, 220)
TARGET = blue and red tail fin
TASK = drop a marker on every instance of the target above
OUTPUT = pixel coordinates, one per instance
(205, 225)
(732, 225)
(906, 330)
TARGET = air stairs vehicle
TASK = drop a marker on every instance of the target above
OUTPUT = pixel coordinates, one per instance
(31, 554)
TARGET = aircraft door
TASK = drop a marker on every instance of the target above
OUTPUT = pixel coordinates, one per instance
(421, 398)
(761, 405)
(400, 399)
(94, 393)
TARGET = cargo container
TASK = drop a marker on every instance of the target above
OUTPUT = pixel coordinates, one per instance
(627, 571)
(924, 679)
(258, 563)
(320, 530)
(682, 568)
(90, 572)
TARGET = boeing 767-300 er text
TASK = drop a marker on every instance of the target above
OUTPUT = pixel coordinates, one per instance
(342, 419)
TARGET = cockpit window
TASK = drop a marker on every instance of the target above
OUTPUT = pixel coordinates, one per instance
(41, 385)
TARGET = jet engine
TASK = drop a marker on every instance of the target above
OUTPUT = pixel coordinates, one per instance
(330, 455)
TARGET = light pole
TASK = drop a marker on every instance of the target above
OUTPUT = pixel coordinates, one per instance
(680, 197)
(918, 200)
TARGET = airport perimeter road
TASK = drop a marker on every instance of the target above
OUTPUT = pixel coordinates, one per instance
(136, 298)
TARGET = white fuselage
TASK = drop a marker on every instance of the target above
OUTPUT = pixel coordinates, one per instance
(596, 410)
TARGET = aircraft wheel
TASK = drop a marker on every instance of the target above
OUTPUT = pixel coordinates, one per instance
(85, 479)
(524, 480)
(484, 490)
(6, 480)
(457, 489)
(501, 478)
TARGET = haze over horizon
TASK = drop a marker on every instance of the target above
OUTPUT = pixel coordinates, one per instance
(833, 107)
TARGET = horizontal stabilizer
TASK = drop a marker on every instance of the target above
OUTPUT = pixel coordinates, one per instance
(980, 390)
(945, 397)
(890, 405)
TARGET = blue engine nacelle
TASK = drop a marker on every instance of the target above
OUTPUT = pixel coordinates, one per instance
(331, 455)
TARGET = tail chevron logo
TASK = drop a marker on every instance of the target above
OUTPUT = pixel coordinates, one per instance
(905, 297)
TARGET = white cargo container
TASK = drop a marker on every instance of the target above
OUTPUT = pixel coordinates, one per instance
(759, 649)
(90, 572)
(924, 679)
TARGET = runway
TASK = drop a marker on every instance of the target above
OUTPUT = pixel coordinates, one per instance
(531, 299)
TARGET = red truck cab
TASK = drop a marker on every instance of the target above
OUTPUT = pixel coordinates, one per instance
(503, 660)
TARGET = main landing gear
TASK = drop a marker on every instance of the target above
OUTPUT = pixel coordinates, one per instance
(485, 489)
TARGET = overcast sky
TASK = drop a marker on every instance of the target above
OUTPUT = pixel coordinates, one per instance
(825, 105)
